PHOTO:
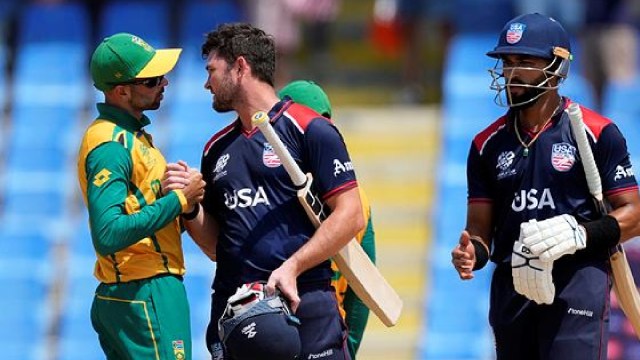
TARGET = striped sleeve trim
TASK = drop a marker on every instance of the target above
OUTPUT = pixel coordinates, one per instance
(344, 187)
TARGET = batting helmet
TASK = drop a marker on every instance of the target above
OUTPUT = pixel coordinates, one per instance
(257, 326)
(532, 35)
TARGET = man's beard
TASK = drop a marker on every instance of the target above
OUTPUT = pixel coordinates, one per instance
(523, 100)
(146, 103)
(223, 99)
(220, 105)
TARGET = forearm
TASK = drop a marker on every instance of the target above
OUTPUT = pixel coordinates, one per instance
(112, 229)
(628, 220)
(480, 222)
(204, 231)
(332, 235)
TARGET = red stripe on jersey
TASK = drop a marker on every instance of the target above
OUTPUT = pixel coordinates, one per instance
(479, 201)
(622, 190)
(483, 137)
(302, 115)
(344, 187)
(227, 129)
(594, 122)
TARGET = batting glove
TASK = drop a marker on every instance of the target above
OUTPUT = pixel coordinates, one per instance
(532, 278)
(553, 238)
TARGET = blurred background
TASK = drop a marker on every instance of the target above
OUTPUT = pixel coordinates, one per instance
(409, 85)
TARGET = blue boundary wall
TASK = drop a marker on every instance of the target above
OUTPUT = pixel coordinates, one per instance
(45, 246)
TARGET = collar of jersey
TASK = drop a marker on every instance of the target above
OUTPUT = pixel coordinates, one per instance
(279, 108)
(121, 117)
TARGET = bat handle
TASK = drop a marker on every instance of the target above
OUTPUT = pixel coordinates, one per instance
(588, 161)
(261, 120)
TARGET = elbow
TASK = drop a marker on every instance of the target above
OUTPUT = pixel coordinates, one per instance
(103, 249)
(103, 241)
(359, 222)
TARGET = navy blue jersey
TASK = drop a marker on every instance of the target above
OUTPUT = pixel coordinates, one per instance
(254, 201)
(549, 181)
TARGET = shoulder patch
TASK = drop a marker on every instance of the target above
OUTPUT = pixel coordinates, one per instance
(302, 116)
(483, 137)
(101, 177)
(217, 136)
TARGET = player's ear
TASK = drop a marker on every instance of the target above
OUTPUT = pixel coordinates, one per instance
(242, 66)
(119, 91)
(122, 90)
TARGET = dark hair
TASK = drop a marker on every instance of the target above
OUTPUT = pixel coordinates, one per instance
(232, 40)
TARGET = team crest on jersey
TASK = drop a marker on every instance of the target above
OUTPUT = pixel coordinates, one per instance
(514, 34)
(269, 157)
(563, 156)
(178, 349)
(505, 160)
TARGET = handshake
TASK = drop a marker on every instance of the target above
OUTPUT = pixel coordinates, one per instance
(539, 245)
(179, 176)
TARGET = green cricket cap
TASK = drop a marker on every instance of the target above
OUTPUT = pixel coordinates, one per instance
(308, 93)
(123, 57)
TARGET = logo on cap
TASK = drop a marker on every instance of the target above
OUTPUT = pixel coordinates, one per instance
(514, 34)
(137, 40)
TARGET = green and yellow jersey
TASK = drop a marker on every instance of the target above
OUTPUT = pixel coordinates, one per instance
(352, 309)
(135, 230)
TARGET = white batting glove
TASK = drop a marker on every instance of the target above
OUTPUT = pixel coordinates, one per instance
(553, 238)
(532, 277)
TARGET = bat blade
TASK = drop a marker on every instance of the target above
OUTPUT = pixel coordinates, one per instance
(625, 289)
(362, 275)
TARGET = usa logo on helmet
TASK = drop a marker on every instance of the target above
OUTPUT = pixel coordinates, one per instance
(514, 34)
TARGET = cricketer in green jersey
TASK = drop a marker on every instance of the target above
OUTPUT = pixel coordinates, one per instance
(140, 308)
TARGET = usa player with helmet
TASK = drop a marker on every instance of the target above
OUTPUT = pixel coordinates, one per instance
(529, 207)
(251, 221)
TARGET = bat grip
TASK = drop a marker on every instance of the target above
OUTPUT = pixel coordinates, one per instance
(588, 161)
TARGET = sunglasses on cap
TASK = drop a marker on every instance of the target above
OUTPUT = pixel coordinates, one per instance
(148, 82)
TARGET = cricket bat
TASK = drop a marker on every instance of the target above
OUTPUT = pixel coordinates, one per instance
(623, 283)
(362, 275)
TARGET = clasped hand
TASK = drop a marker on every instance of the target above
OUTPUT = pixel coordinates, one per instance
(180, 176)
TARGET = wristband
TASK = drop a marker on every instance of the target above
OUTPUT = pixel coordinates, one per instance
(603, 233)
(191, 215)
(482, 255)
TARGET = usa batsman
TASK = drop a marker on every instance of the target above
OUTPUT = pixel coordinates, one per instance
(530, 210)
(251, 221)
